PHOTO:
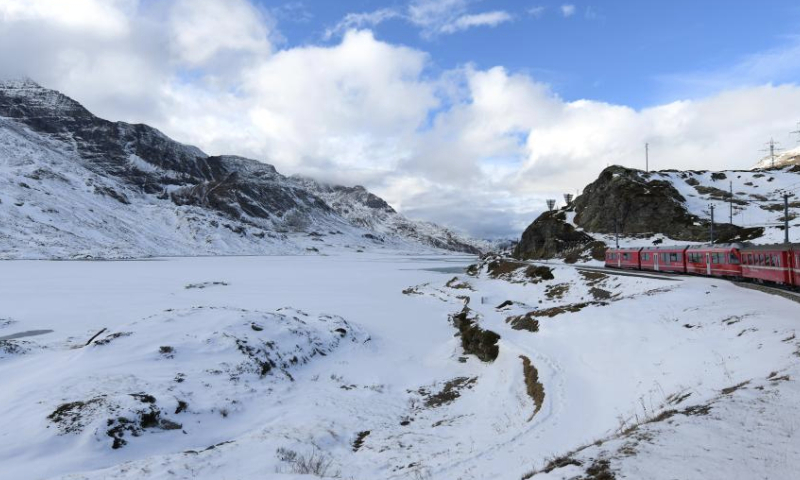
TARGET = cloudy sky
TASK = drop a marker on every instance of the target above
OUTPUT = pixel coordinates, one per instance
(465, 112)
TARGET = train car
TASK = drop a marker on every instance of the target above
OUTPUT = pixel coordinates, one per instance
(722, 260)
(664, 259)
(770, 263)
(795, 257)
(627, 258)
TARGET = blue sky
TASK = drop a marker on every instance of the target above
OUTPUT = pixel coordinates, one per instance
(468, 113)
(628, 52)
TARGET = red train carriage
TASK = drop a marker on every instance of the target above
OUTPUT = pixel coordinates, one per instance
(623, 258)
(664, 259)
(714, 260)
(796, 265)
(770, 263)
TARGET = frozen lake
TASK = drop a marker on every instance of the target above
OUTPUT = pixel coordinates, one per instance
(209, 367)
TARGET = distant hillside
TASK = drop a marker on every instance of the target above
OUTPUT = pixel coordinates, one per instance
(74, 185)
(666, 206)
(782, 159)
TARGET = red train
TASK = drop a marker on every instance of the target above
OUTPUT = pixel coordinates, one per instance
(778, 264)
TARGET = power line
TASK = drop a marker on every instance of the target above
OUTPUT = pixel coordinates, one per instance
(797, 132)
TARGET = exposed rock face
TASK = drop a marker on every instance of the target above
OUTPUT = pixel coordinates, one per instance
(548, 236)
(638, 203)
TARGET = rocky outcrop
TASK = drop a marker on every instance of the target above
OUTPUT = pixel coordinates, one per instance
(636, 202)
(641, 203)
(548, 236)
(633, 203)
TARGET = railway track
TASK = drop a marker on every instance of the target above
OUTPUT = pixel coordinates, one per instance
(671, 277)
(675, 277)
(781, 292)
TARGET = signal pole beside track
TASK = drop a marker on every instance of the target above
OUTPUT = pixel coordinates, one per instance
(711, 206)
(786, 217)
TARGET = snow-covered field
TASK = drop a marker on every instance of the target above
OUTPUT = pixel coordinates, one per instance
(250, 367)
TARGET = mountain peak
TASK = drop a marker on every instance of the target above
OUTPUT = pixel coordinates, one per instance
(24, 98)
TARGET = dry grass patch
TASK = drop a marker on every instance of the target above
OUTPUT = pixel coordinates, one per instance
(524, 322)
(533, 386)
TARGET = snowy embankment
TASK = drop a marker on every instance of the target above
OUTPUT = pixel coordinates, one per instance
(651, 374)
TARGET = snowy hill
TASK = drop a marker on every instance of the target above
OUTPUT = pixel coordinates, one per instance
(670, 206)
(74, 185)
(782, 159)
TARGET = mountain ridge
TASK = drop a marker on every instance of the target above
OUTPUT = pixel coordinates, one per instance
(58, 154)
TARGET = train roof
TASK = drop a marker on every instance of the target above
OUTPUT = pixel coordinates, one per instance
(665, 247)
(773, 246)
(718, 246)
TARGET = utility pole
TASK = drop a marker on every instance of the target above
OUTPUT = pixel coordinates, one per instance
(647, 157)
(730, 200)
(711, 206)
(616, 230)
(786, 196)
(772, 145)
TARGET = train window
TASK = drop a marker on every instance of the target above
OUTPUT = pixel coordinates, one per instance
(673, 257)
(646, 257)
(664, 257)
(761, 259)
(626, 256)
(777, 260)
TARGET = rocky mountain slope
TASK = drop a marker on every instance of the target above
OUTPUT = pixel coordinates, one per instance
(75, 185)
(667, 206)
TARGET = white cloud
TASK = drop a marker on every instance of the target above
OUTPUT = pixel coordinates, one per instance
(361, 20)
(432, 17)
(568, 10)
(537, 11)
(476, 148)
(203, 30)
(105, 18)
(487, 19)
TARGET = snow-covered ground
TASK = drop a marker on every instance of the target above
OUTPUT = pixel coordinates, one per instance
(246, 367)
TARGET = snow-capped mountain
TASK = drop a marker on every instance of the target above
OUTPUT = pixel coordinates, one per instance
(367, 210)
(75, 185)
